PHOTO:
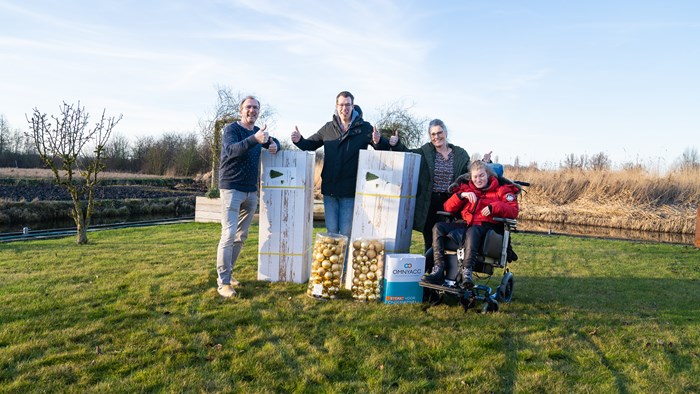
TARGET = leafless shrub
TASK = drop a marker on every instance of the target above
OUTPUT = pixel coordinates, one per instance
(396, 119)
(62, 146)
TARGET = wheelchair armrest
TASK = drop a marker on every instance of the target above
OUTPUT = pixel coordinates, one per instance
(510, 223)
(445, 216)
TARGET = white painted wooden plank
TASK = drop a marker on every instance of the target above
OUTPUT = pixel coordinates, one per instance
(385, 200)
(287, 207)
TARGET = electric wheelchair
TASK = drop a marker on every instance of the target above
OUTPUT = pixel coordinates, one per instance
(492, 259)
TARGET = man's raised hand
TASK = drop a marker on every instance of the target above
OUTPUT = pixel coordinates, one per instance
(296, 135)
(262, 136)
(394, 139)
(375, 136)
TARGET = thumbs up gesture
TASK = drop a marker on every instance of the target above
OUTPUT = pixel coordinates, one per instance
(296, 135)
(375, 136)
(394, 139)
(262, 136)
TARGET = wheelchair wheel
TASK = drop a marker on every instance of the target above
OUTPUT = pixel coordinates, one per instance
(504, 292)
(468, 301)
(490, 305)
(433, 297)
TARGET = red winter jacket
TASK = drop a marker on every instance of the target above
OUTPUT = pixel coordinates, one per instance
(502, 199)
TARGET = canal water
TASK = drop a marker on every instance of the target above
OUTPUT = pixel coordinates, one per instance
(70, 224)
(604, 232)
(523, 225)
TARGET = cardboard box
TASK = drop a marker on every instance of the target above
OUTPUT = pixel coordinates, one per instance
(402, 272)
(286, 216)
(385, 200)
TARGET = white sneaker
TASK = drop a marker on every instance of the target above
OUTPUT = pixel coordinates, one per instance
(226, 291)
(234, 282)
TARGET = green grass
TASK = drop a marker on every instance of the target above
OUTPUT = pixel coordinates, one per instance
(587, 316)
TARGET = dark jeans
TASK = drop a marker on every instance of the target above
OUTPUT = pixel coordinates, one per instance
(437, 203)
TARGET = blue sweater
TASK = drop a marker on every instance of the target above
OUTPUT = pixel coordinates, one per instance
(239, 167)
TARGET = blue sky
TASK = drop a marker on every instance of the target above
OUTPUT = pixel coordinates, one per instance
(532, 79)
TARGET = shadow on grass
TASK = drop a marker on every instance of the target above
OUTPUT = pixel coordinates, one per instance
(620, 379)
(615, 298)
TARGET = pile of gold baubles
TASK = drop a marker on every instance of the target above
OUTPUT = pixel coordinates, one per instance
(368, 269)
(327, 266)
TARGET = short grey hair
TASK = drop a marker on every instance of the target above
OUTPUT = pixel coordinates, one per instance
(240, 106)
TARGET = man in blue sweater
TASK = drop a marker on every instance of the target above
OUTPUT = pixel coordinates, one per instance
(242, 143)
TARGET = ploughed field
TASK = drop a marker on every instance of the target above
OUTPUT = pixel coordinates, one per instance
(30, 197)
(48, 192)
(30, 184)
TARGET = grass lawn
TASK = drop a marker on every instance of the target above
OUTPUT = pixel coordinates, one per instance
(136, 310)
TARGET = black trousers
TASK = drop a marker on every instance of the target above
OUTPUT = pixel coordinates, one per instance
(437, 203)
(444, 232)
(473, 240)
(458, 233)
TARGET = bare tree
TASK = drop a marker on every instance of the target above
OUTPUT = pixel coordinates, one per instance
(571, 162)
(13, 141)
(516, 162)
(186, 160)
(599, 162)
(116, 153)
(61, 146)
(396, 119)
(689, 159)
(4, 134)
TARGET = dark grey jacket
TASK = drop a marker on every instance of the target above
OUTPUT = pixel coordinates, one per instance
(341, 153)
(427, 173)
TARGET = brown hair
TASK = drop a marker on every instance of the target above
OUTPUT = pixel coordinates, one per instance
(345, 93)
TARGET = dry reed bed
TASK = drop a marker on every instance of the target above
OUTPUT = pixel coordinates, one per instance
(615, 199)
(631, 199)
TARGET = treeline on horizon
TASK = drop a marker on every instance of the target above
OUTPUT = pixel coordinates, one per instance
(187, 154)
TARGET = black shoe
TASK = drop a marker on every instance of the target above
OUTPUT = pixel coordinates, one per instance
(467, 284)
(467, 281)
(436, 277)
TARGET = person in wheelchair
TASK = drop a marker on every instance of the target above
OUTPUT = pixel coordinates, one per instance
(479, 200)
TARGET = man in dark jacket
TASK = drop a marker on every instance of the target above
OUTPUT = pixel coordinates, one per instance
(341, 138)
